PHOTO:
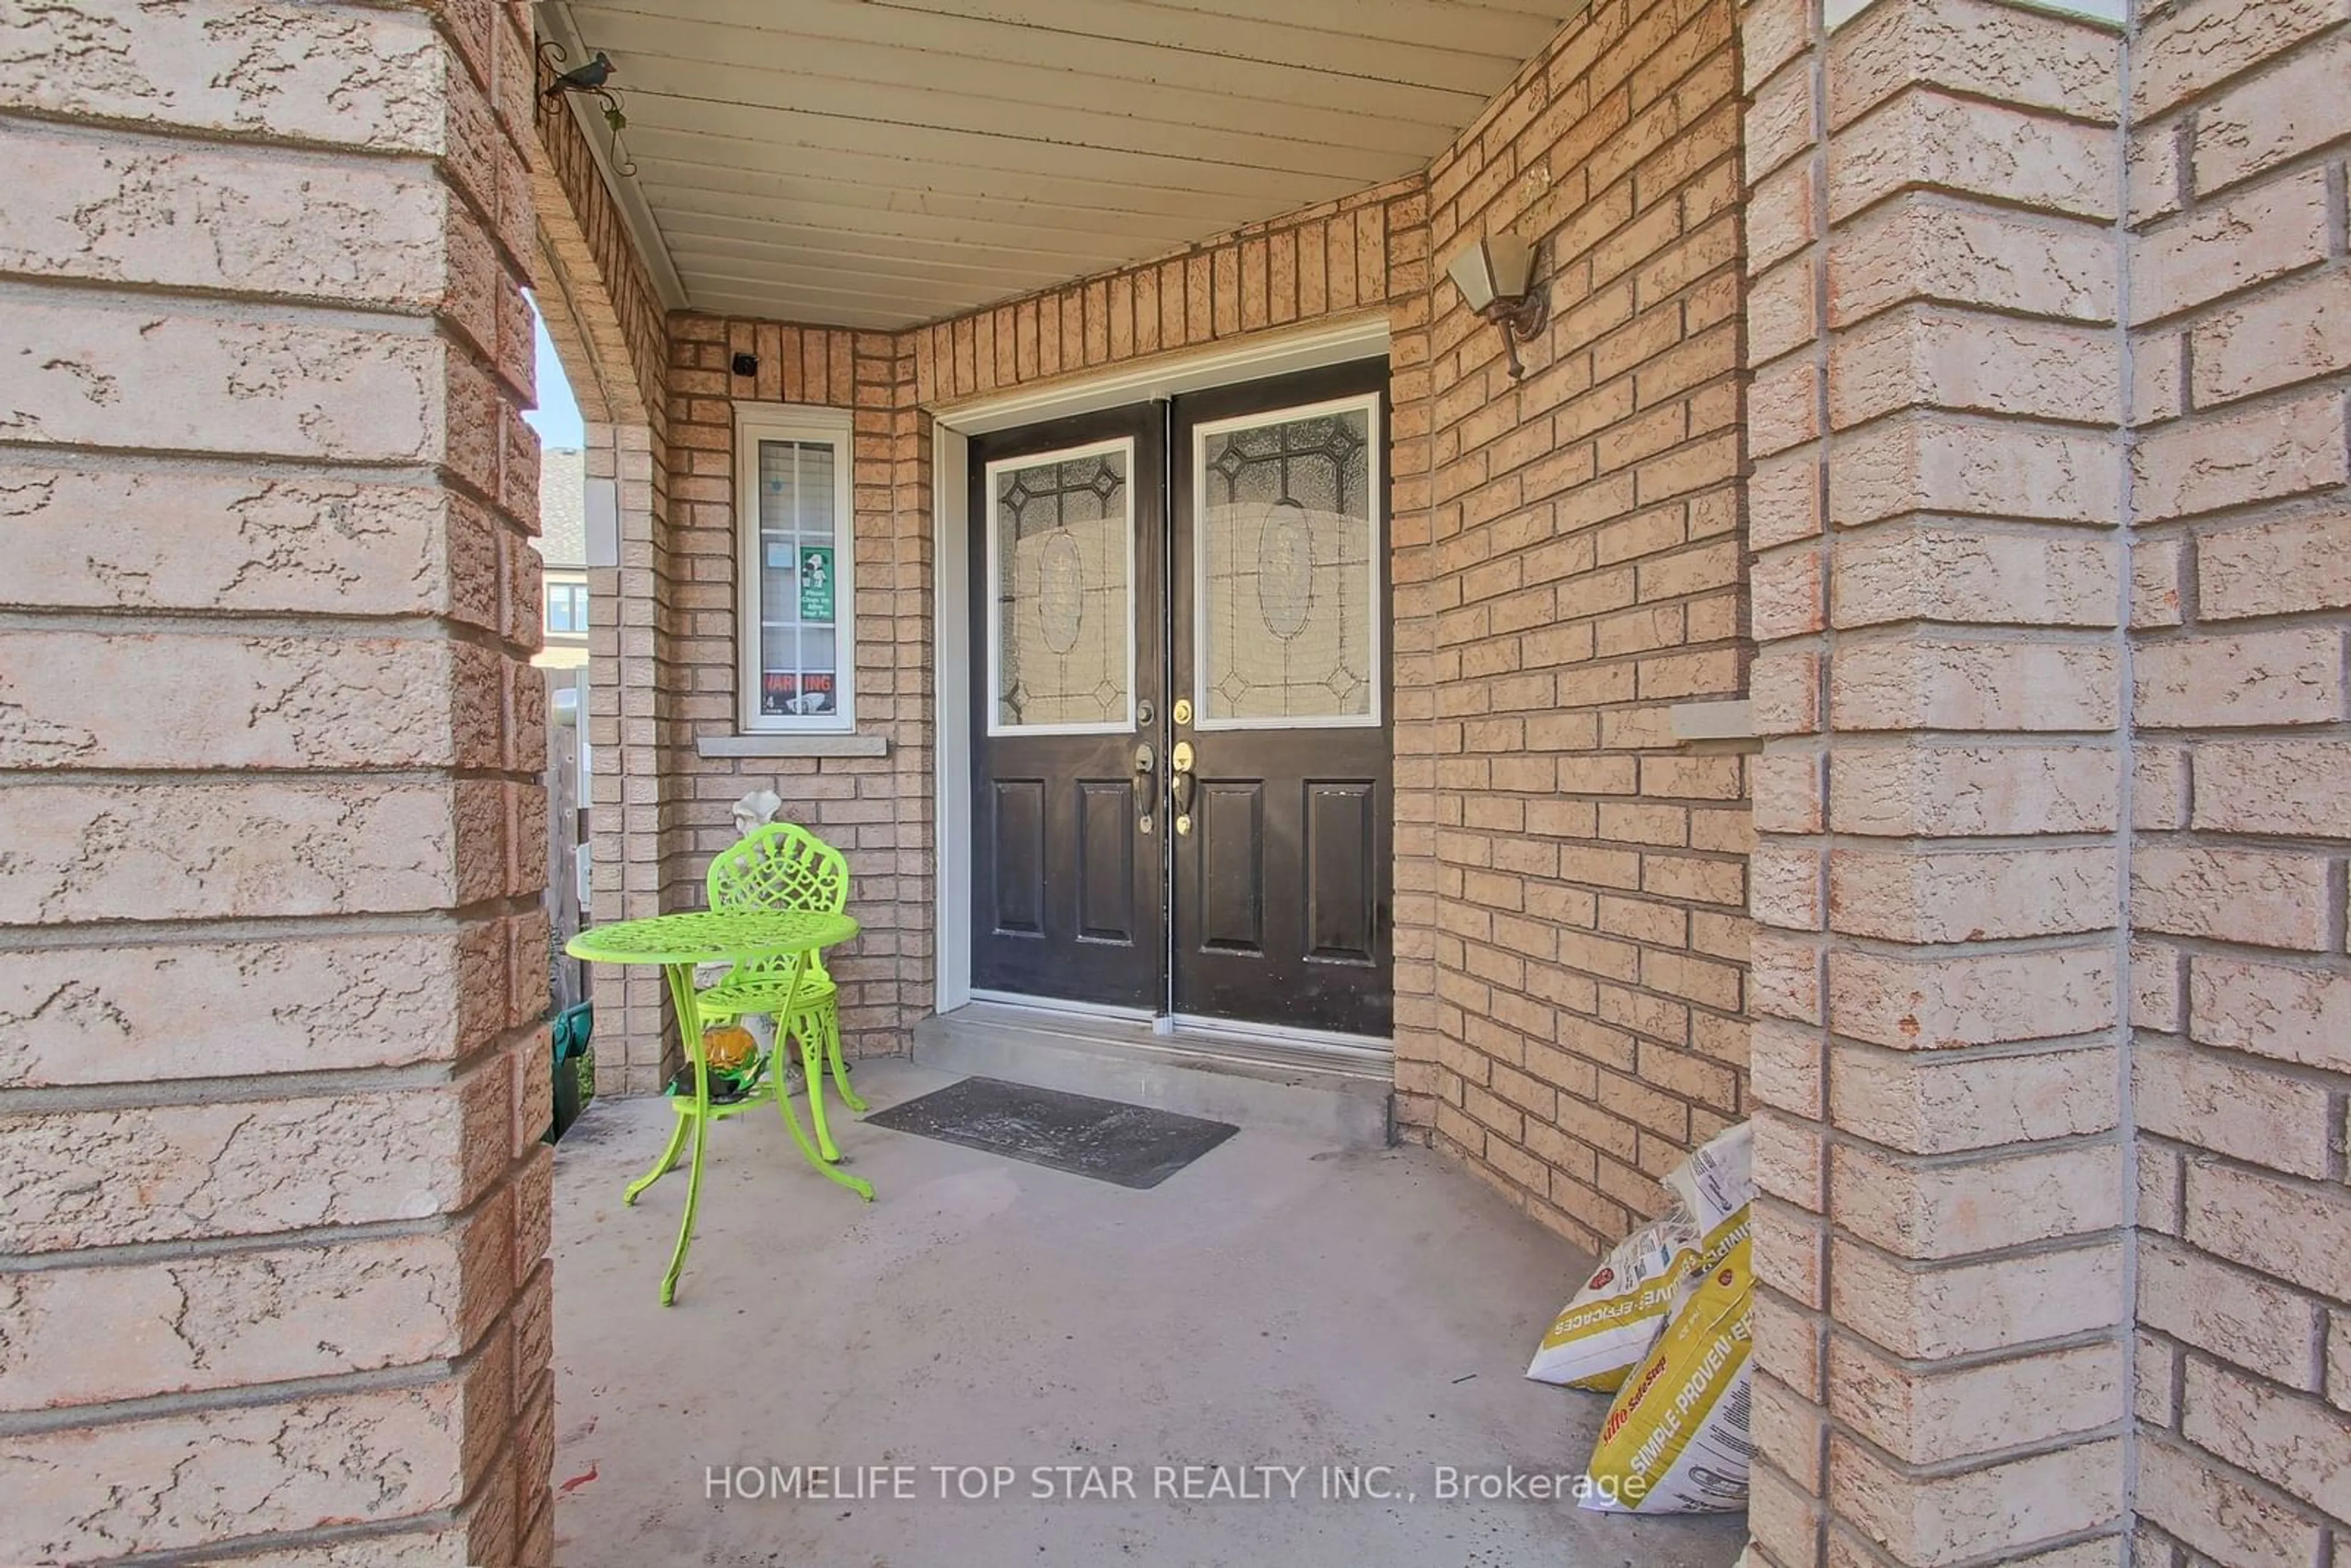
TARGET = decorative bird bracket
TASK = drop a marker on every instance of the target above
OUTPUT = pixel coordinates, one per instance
(590, 78)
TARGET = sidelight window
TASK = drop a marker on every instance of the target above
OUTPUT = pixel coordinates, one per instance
(796, 567)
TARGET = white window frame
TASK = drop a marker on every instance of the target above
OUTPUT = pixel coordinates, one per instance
(994, 631)
(835, 427)
(574, 593)
(1369, 405)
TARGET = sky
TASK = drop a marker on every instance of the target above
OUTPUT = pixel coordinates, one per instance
(558, 416)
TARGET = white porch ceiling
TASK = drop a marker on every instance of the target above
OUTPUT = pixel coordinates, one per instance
(882, 163)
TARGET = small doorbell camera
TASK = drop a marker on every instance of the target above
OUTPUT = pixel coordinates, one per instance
(747, 364)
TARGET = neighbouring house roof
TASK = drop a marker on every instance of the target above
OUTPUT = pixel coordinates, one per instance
(562, 506)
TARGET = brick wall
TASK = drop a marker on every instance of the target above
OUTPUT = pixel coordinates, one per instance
(1570, 934)
(875, 809)
(273, 1063)
(1578, 877)
(2241, 989)
(1941, 1246)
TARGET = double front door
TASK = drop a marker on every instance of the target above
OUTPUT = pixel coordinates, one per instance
(1180, 706)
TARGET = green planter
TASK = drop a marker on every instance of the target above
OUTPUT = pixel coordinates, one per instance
(574, 1066)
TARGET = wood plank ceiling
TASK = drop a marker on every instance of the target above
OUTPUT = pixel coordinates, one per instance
(881, 163)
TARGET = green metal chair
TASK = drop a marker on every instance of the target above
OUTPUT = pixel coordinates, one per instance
(780, 867)
(784, 867)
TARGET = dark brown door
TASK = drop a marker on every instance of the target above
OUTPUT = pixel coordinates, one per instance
(1281, 862)
(1068, 568)
(1180, 707)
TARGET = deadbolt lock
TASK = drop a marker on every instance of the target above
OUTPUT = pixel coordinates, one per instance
(1183, 710)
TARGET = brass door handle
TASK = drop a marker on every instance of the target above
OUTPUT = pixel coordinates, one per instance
(1179, 781)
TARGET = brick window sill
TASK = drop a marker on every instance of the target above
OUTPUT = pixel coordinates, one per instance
(708, 745)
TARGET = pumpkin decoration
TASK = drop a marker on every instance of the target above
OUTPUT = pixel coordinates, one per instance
(729, 1048)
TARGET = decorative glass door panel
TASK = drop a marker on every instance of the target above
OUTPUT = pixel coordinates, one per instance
(1286, 547)
(1060, 634)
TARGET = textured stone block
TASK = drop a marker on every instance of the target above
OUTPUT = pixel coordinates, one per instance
(2297, 788)
(1968, 897)
(226, 1320)
(1788, 1342)
(2298, 1234)
(1934, 357)
(289, 71)
(250, 1167)
(2269, 898)
(2289, 333)
(2232, 1107)
(209, 700)
(178, 1482)
(1904, 684)
(1956, 1001)
(1925, 1415)
(2158, 592)
(1941, 1211)
(1784, 979)
(2275, 568)
(1927, 138)
(1944, 1310)
(2194, 46)
(1962, 791)
(2289, 1442)
(1787, 796)
(259, 542)
(1942, 1104)
(1927, 246)
(2248, 1321)
(2291, 1014)
(237, 220)
(2221, 247)
(2284, 677)
(2192, 1499)
(2028, 58)
(232, 851)
(216, 384)
(138, 1013)
(1929, 463)
(1906, 572)
(1954, 1518)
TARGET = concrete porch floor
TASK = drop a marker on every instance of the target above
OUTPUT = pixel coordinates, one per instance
(1276, 1303)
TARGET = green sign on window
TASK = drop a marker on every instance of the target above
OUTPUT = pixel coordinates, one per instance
(816, 583)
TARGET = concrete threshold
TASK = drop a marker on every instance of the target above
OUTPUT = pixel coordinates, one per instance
(1274, 1087)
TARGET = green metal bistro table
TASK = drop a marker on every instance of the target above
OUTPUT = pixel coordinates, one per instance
(678, 943)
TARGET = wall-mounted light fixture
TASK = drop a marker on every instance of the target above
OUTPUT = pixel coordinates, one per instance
(1496, 278)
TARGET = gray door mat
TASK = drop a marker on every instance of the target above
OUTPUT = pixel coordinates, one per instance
(1129, 1145)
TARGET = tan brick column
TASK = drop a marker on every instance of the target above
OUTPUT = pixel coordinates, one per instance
(273, 1209)
(2240, 315)
(633, 772)
(1941, 1337)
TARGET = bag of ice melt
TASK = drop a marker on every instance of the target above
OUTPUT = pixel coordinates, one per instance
(1719, 1177)
(1675, 1441)
(1611, 1321)
(1614, 1319)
